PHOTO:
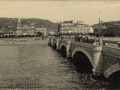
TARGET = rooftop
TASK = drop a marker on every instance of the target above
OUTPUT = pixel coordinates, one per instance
(80, 22)
(68, 21)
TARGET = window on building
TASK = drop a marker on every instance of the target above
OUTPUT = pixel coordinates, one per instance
(87, 30)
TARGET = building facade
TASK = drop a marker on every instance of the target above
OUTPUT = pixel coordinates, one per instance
(80, 28)
(68, 27)
(25, 30)
(65, 27)
(42, 30)
(29, 29)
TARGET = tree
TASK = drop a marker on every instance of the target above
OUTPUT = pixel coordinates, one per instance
(39, 34)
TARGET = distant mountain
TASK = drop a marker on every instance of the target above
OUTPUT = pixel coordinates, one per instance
(108, 24)
(111, 28)
(6, 22)
(41, 23)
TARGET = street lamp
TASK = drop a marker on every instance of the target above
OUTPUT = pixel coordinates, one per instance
(103, 27)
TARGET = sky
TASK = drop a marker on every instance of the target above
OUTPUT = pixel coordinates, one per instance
(56, 11)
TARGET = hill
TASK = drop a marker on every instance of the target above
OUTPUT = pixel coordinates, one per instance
(108, 24)
(40, 22)
(5, 22)
(112, 28)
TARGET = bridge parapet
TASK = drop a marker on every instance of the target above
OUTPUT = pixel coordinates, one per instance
(115, 52)
(107, 42)
(63, 40)
(105, 60)
(112, 42)
(111, 60)
(86, 45)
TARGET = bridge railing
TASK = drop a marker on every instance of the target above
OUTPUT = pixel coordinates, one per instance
(64, 40)
(106, 42)
(88, 45)
(112, 42)
(115, 52)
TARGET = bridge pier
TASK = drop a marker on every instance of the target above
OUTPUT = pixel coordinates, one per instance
(52, 44)
(68, 47)
(49, 42)
(98, 60)
(57, 44)
(118, 44)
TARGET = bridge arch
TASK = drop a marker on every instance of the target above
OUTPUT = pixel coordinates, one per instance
(82, 59)
(55, 46)
(113, 72)
(63, 45)
(63, 50)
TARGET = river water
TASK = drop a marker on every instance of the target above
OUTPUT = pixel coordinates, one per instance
(40, 67)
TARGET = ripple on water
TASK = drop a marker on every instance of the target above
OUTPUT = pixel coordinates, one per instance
(43, 68)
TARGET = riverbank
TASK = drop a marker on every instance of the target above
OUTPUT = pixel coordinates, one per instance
(22, 41)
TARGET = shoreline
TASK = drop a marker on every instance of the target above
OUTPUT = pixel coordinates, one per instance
(23, 41)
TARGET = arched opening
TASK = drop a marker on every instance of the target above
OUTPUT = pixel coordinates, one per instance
(49, 42)
(115, 77)
(55, 46)
(81, 61)
(63, 51)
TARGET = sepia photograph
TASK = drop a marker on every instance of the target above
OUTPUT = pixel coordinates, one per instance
(59, 45)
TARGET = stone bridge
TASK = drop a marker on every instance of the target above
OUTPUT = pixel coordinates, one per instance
(100, 60)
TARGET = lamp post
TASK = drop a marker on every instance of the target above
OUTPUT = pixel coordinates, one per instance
(99, 28)
(102, 33)
(103, 27)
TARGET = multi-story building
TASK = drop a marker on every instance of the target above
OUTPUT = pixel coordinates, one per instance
(68, 27)
(28, 29)
(65, 27)
(25, 30)
(43, 30)
(31, 29)
(80, 28)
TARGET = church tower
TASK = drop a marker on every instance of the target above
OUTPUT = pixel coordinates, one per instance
(19, 24)
(19, 28)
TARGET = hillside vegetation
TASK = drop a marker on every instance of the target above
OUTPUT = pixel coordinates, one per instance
(5, 22)
(111, 28)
